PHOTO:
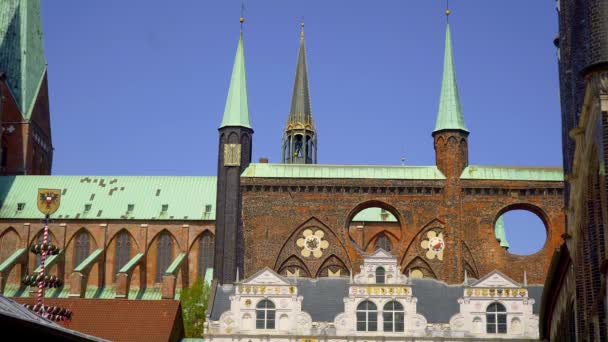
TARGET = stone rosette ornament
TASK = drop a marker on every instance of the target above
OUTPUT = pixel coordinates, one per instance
(312, 243)
(434, 245)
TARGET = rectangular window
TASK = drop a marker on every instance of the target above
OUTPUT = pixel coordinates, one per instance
(399, 321)
(388, 321)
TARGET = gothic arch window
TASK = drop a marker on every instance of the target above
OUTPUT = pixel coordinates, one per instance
(496, 319)
(164, 255)
(380, 275)
(40, 240)
(394, 316)
(367, 316)
(122, 252)
(205, 253)
(383, 242)
(265, 313)
(82, 247)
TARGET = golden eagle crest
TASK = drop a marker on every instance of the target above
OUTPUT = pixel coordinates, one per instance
(48, 200)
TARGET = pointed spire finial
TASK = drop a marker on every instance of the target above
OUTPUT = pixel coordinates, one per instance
(236, 112)
(447, 10)
(450, 114)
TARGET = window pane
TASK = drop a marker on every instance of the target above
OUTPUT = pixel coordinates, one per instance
(502, 328)
(360, 326)
(372, 326)
(372, 316)
(259, 314)
(360, 316)
(259, 324)
(491, 328)
(270, 324)
(491, 318)
(270, 314)
(399, 326)
(502, 319)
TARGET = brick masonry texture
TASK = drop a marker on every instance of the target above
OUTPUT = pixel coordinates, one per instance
(276, 211)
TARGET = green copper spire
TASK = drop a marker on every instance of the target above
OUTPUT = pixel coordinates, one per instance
(236, 112)
(21, 51)
(450, 111)
(499, 231)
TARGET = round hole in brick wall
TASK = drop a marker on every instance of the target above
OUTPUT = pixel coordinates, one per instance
(374, 227)
(524, 232)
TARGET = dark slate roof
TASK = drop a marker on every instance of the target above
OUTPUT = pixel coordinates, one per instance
(325, 307)
(437, 301)
(17, 312)
(221, 301)
(324, 298)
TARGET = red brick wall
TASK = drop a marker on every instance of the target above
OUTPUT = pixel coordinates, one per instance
(276, 211)
(103, 233)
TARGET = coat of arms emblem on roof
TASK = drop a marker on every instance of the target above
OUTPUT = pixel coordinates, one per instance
(48, 200)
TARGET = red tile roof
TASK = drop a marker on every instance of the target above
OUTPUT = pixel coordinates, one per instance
(122, 319)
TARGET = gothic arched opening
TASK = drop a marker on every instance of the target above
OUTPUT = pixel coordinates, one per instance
(520, 231)
(373, 227)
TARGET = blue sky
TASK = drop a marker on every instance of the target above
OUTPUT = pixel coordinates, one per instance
(138, 87)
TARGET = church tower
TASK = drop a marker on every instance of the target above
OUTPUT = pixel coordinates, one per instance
(25, 140)
(450, 134)
(234, 155)
(300, 137)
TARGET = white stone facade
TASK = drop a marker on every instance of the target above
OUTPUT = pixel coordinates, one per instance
(382, 287)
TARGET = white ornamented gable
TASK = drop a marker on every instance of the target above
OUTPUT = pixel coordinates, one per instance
(496, 279)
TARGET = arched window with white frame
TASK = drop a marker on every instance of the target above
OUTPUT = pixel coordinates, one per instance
(380, 275)
(393, 315)
(367, 316)
(496, 319)
(265, 313)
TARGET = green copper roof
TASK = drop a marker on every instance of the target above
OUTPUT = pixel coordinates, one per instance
(499, 231)
(450, 111)
(21, 51)
(374, 215)
(342, 171)
(112, 197)
(300, 112)
(151, 293)
(548, 174)
(236, 112)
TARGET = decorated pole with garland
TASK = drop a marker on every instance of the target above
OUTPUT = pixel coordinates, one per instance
(48, 202)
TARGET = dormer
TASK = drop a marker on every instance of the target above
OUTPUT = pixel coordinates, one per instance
(496, 306)
(380, 268)
(265, 303)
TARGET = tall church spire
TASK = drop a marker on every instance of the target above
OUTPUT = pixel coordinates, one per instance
(21, 51)
(450, 134)
(450, 111)
(300, 140)
(236, 112)
(234, 156)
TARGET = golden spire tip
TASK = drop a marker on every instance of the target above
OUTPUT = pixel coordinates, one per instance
(242, 20)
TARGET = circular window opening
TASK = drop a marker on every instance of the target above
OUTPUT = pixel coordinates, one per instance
(521, 232)
(374, 228)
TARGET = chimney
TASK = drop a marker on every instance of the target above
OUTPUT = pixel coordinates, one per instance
(263, 160)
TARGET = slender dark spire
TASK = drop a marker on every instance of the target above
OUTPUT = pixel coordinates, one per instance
(300, 112)
(300, 141)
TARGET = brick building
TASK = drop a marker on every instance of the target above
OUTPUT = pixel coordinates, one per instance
(574, 304)
(143, 237)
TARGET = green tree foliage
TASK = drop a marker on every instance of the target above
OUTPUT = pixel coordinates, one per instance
(194, 302)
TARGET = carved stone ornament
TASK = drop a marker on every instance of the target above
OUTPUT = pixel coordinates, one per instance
(312, 243)
(434, 245)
